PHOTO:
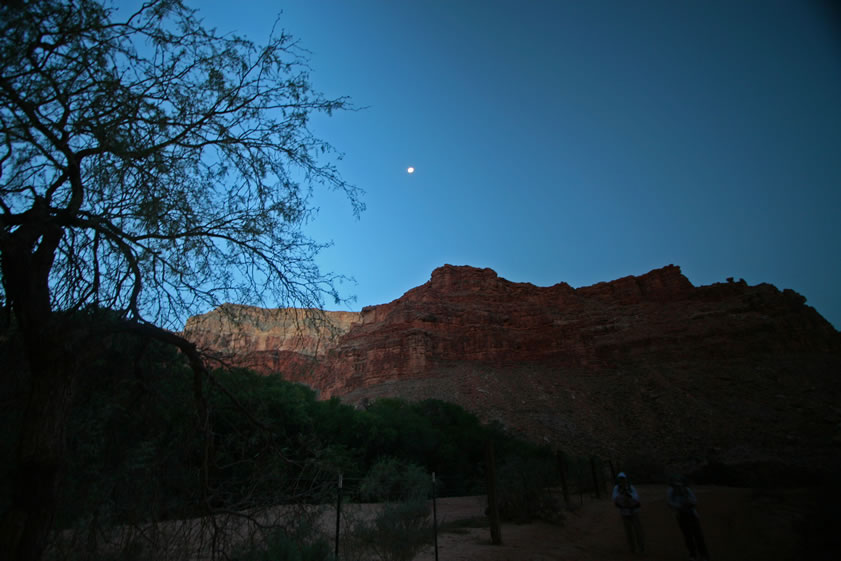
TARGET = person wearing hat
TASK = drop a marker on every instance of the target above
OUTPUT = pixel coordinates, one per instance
(627, 500)
(683, 501)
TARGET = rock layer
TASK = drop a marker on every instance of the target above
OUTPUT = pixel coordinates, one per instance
(268, 340)
(641, 366)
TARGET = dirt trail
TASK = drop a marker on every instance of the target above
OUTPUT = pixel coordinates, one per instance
(739, 525)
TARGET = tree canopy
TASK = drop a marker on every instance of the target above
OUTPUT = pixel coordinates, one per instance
(151, 165)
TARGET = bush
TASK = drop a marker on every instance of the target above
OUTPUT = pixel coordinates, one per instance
(401, 528)
(398, 533)
(524, 490)
(390, 479)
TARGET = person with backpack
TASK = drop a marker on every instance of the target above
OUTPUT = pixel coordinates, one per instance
(682, 500)
(627, 500)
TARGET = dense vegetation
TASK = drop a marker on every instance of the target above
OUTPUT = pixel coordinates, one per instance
(137, 451)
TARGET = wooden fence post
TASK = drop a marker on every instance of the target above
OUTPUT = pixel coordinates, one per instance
(493, 508)
(562, 469)
(434, 515)
(338, 514)
(595, 477)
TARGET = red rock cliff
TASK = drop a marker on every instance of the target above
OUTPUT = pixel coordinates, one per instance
(648, 364)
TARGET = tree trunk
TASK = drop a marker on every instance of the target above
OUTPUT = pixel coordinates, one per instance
(51, 343)
(25, 526)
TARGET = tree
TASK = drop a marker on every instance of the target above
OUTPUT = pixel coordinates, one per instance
(148, 166)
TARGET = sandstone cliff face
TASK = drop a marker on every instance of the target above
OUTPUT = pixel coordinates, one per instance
(268, 340)
(647, 365)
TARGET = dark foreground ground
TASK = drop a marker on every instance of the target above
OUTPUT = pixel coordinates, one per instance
(740, 525)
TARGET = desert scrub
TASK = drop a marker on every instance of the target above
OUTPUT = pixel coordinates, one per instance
(391, 479)
(398, 532)
(525, 491)
(278, 546)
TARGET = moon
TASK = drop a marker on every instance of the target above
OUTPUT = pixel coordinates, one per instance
(410, 169)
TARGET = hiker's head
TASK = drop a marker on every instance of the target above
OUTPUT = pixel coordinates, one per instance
(622, 479)
(677, 481)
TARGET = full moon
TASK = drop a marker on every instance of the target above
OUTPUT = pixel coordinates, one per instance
(410, 170)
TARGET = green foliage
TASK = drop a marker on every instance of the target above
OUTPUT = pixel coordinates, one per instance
(441, 437)
(133, 444)
(265, 450)
(391, 479)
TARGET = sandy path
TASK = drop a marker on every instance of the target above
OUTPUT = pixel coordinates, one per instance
(739, 524)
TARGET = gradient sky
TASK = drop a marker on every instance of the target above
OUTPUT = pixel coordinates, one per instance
(576, 141)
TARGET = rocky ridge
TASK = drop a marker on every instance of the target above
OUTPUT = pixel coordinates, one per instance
(645, 365)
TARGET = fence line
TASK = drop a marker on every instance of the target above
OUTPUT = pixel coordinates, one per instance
(582, 477)
(212, 537)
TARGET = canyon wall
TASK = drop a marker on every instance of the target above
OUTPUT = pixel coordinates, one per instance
(268, 339)
(645, 365)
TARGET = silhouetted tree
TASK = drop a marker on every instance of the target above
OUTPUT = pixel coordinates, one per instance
(150, 166)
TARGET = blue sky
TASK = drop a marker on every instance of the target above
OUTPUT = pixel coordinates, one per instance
(576, 141)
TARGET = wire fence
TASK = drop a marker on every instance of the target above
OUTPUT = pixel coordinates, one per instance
(348, 519)
(419, 529)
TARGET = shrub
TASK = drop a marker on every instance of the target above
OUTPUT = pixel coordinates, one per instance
(398, 532)
(524, 490)
(390, 479)
(278, 546)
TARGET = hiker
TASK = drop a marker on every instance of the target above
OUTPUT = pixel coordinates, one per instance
(683, 501)
(627, 500)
